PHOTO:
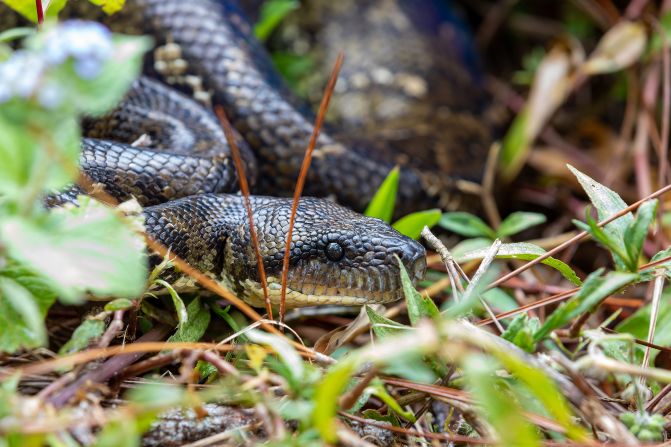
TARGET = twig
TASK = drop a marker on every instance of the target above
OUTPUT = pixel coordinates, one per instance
(107, 370)
(319, 120)
(218, 438)
(405, 431)
(448, 260)
(666, 107)
(57, 385)
(654, 311)
(635, 9)
(492, 21)
(115, 326)
(85, 356)
(639, 341)
(149, 364)
(608, 364)
(222, 365)
(348, 399)
(40, 11)
(652, 404)
(487, 194)
(531, 306)
(574, 330)
(244, 188)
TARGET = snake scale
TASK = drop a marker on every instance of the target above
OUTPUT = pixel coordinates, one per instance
(408, 95)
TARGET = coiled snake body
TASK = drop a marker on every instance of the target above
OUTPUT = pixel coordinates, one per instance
(182, 171)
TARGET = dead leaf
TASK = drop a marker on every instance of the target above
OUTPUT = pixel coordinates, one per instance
(329, 342)
(619, 48)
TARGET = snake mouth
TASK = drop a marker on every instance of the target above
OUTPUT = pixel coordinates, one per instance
(362, 287)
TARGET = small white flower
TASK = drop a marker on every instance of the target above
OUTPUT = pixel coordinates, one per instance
(50, 96)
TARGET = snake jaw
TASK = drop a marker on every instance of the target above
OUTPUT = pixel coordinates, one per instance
(315, 282)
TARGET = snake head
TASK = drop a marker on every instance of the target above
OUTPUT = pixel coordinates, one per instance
(337, 256)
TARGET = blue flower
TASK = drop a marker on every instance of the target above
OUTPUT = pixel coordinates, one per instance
(88, 43)
(25, 74)
(50, 96)
(20, 75)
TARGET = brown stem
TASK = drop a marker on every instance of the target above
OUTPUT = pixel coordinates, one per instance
(319, 120)
(108, 369)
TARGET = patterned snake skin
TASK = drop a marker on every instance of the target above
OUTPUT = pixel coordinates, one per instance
(181, 170)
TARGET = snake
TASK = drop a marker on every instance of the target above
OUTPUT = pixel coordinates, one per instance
(163, 146)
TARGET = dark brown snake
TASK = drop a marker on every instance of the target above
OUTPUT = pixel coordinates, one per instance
(410, 99)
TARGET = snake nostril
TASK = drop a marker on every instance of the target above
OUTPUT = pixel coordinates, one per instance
(418, 268)
(413, 257)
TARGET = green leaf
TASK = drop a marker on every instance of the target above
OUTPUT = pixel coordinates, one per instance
(666, 253)
(27, 328)
(419, 306)
(466, 224)
(595, 289)
(109, 6)
(413, 224)
(664, 266)
(27, 168)
(16, 331)
(383, 326)
(293, 67)
(608, 240)
(81, 338)
(9, 394)
(637, 325)
(415, 367)
(516, 145)
(389, 418)
(503, 412)
(660, 33)
(272, 13)
(527, 252)
(635, 235)
(156, 394)
(16, 33)
(180, 308)
(376, 388)
(606, 202)
(326, 397)
(27, 8)
(119, 304)
(384, 200)
(500, 299)
(296, 410)
(468, 245)
(197, 322)
(87, 248)
(225, 314)
(117, 433)
(545, 390)
(519, 221)
(520, 332)
(283, 349)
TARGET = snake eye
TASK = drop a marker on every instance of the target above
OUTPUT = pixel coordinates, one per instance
(334, 251)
